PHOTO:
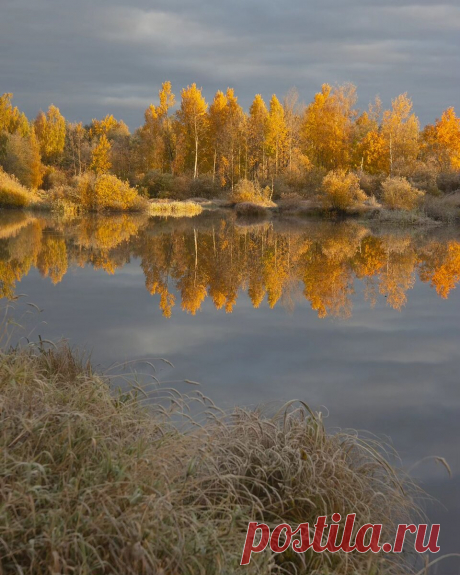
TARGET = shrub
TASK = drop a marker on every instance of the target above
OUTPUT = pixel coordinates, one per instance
(107, 192)
(53, 178)
(371, 184)
(446, 208)
(399, 194)
(12, 193)
(313, 181)
(449, 181)
(203, 187)
(157, 185)
(340, 190)
(64, 199)
(247, 191)
(425, 178)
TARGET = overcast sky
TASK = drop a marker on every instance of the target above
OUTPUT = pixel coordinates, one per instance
(93, 57)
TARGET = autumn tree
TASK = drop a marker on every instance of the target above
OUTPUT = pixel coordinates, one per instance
(443, 140)
(276, 133)
(21, 157)
(104, 126)
(50, 129)
(292, 116)
(369, 145)
(12, 121)
(77, 147)
(192, 119)
(258, 114)
(327, 126)
(157, 133)
(400, 130)
(100, 161)
(217, 122)
(230, 124)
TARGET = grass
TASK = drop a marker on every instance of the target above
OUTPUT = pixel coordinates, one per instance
(93, 482)
(174, 209)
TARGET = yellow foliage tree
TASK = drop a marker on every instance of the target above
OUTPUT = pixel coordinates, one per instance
(157, 133)
(276, 133)
(327, 126)
(447, 140)
(258, 114)
(100, 160)
(234, 135)
(192, 119)
(50, 129)
(373, 151)
(12, 120)
(217, 121)
(400, 130)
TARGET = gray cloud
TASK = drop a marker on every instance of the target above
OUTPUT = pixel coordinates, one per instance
(111, 57)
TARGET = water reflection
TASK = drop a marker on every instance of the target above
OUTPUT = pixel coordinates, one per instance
(217, 258)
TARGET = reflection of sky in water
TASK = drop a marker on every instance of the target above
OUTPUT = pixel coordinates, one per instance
(389, 372)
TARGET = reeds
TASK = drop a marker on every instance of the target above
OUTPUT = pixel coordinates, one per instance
(92, 482)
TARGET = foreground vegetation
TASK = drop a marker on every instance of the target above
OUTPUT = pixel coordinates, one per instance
(96, 483)
(328, 153)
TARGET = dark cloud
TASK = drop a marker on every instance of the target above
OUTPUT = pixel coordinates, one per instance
(111, 56)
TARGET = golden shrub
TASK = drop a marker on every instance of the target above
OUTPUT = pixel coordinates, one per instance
(340, 190)
(399, 194)
(107, 192)
(12, 193)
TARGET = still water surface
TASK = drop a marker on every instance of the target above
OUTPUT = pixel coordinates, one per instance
(363, 324)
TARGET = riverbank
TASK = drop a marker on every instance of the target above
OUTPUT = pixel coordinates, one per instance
(340, 196)
(94, 482)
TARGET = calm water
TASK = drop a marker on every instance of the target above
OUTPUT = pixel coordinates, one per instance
(362, 324)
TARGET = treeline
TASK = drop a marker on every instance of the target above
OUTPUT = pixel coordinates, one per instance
(201, 148)
(190, 264)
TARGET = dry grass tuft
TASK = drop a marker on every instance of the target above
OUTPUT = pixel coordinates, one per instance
(92, 483)
(174, 209)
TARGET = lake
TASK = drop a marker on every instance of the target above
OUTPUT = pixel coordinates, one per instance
(358, 320)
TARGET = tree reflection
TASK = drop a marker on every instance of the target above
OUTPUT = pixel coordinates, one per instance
(218, 259)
